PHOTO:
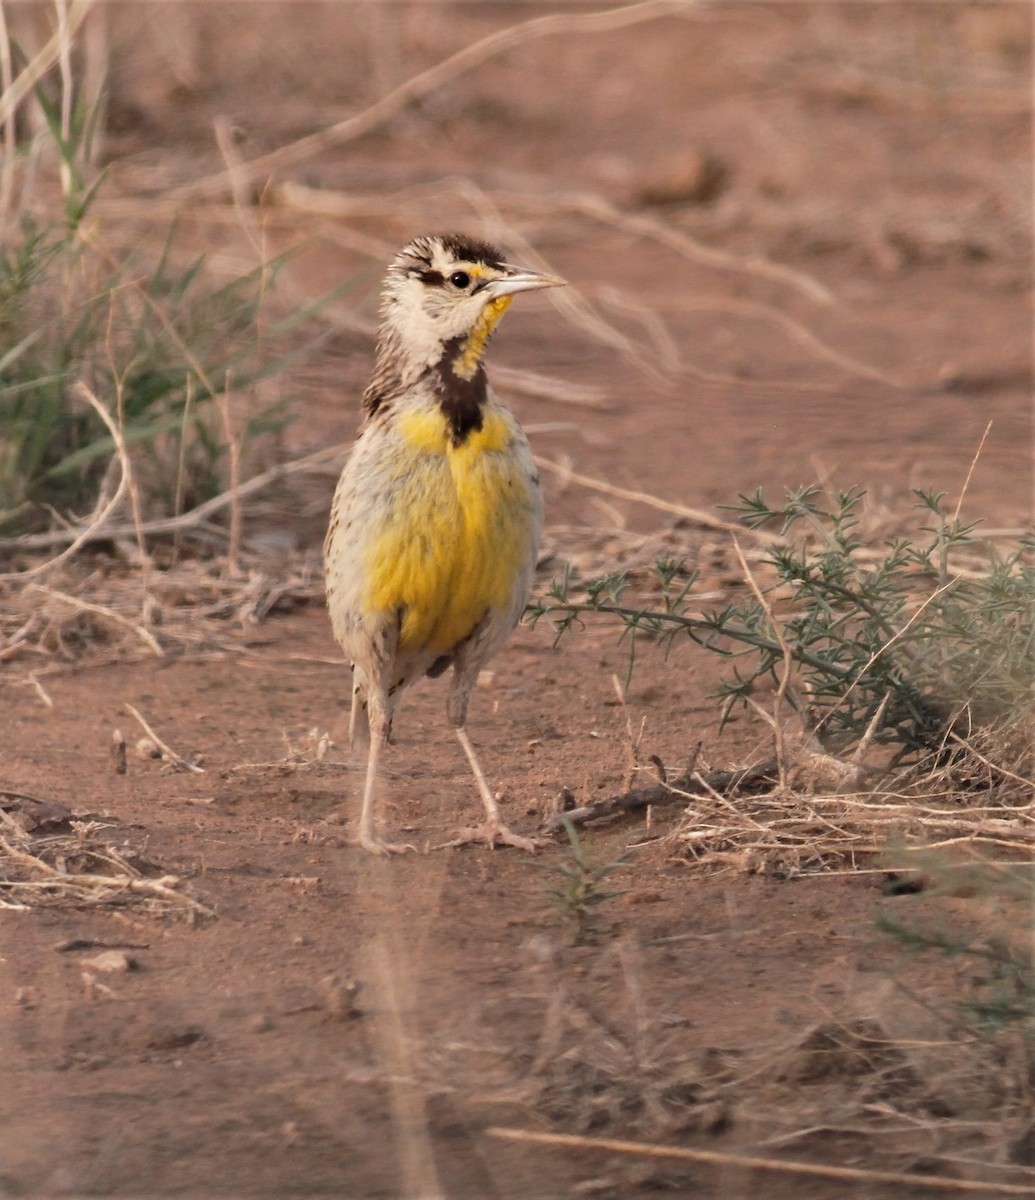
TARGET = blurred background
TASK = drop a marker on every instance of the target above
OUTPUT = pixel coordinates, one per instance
(798, 236)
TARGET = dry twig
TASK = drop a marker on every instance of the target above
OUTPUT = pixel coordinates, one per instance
(170, 756)
(941, 1183)
(31, 878)
(423, 84)
(666, 793)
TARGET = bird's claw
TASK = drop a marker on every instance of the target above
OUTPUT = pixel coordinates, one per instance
(374, 845)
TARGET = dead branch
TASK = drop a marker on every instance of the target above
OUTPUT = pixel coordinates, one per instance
(755, 778)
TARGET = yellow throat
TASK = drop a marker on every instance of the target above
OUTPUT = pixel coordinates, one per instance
(474, 347)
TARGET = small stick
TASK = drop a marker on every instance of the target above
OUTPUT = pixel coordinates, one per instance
(40, 690)
(942, 1183)
(233, 553)
(970, 471)
(170, 755)
(871, 729)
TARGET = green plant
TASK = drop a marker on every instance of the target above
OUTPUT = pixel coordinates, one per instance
(579, 892)
(156, 342)
(155, 345)
(71, 133)
(893, 644)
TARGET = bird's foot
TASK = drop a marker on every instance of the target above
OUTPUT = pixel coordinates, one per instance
(493, 834)
(367, 839)
(374, 845)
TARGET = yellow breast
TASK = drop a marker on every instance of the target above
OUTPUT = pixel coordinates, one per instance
(455, 538)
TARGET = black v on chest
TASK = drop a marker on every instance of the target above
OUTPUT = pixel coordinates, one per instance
(461, 399)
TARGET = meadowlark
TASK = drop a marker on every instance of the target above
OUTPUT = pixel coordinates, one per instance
(436, 520)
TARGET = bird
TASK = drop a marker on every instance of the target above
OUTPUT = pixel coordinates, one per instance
(435, 525)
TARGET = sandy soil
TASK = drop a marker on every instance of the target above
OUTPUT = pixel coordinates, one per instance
(347, 1027)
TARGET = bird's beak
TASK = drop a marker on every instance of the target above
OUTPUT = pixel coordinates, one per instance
(520, 279)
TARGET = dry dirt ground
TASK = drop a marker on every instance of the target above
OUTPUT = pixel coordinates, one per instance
(800, 238)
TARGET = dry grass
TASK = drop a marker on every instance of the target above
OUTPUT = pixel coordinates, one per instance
(885, 1078)
(797, 808)
(812, 824)
(102, 611)
(819, 820)
(855, 1085)
(51, 858)
(606, 1066)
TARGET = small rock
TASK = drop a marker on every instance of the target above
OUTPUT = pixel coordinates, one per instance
(339, 997)
(542, 948)
(695, 177)
(118, 753)
(174, 1037)
(110, 962)
(147, 748)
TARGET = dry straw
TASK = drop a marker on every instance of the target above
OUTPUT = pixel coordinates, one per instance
(52, 859)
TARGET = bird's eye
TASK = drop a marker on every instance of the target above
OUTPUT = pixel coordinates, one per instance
(460, 279)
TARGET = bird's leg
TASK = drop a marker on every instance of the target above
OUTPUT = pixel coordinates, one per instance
(366, 835)
(494, 831)
(359, 725)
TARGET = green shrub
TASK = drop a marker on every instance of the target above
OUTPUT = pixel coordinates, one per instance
(156, 342)
(893, 644)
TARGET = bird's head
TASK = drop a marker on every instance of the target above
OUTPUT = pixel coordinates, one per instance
(444, 295)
